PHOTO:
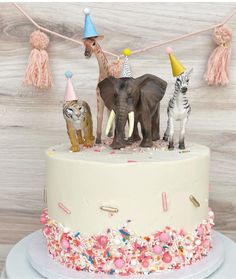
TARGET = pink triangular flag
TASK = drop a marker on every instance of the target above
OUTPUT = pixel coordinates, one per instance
(70, 92)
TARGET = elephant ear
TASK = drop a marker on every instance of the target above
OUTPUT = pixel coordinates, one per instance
(148, 80)
(107, 91)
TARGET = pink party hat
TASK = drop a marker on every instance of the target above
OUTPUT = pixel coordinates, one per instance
(70, 92)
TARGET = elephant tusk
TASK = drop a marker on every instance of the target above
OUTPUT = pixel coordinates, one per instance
(110, 121)
(131, 123)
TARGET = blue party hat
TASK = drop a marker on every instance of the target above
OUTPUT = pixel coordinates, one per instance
(89, 29)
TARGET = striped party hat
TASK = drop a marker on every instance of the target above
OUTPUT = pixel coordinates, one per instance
(126, 69)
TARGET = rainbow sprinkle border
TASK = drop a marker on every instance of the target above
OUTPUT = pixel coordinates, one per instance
(120, 251)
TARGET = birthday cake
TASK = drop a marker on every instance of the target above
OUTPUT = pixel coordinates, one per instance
(131, 203)
(132, 211)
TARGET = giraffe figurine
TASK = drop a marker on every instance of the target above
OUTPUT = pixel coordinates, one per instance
(90, 38)
(92, 46)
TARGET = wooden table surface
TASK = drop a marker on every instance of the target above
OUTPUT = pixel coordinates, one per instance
(31, 121)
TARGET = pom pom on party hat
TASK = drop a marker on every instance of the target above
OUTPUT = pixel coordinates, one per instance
(70, 92)
(126, 69)
(89, 28)
(177, 67)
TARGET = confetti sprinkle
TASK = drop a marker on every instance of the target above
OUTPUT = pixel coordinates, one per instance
(45, 194)
(164, 201)
(64, 208)
(77, 234)
(194, 201)
(109, 209)
(124, 233)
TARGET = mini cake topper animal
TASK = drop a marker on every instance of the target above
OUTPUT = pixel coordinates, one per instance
(133, 100)
(78, 118)
(178, 108)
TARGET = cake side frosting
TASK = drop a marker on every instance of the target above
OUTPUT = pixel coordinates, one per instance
(121, 251)
(130, 181)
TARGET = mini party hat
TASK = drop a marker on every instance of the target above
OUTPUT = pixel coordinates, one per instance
(126, 69)
(89, 29)
(70, 92)
(177, 67)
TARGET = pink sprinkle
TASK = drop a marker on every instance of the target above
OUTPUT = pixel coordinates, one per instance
(164, 237)
(157, 249)
(119, 263)
(132, 161)
(46, 230)
(200, 231)
(145, 263)
(97, 150)
(103, 240)
(167, 258)
(112, 152)
(164, 201)
(43, 219)
(65, 244)
(65, 209)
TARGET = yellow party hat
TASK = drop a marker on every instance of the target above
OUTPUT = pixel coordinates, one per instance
(177, 67)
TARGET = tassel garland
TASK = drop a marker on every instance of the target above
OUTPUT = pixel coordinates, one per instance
(218, 64)
(38, 72)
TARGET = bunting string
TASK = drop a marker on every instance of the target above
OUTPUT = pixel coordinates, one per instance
(55, 33)
(138, 51)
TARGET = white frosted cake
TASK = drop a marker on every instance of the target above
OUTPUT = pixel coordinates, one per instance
(131, 211)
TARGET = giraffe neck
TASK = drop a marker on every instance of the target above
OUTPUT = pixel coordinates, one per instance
(102, 63)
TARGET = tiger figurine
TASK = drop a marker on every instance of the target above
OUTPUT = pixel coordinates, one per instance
(79, 124)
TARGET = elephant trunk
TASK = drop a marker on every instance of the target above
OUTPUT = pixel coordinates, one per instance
(121, 119)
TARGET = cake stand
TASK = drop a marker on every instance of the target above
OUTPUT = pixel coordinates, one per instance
(29, 259)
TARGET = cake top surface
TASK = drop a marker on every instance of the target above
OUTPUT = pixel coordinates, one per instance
(159, 153)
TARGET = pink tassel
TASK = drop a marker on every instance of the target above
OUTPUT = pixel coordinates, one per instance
(218, 64)
(38, 71)
(115, 68)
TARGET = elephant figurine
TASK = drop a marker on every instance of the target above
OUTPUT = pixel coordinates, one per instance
(136, 100)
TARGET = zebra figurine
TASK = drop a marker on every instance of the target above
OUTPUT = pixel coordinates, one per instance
(178, 109)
